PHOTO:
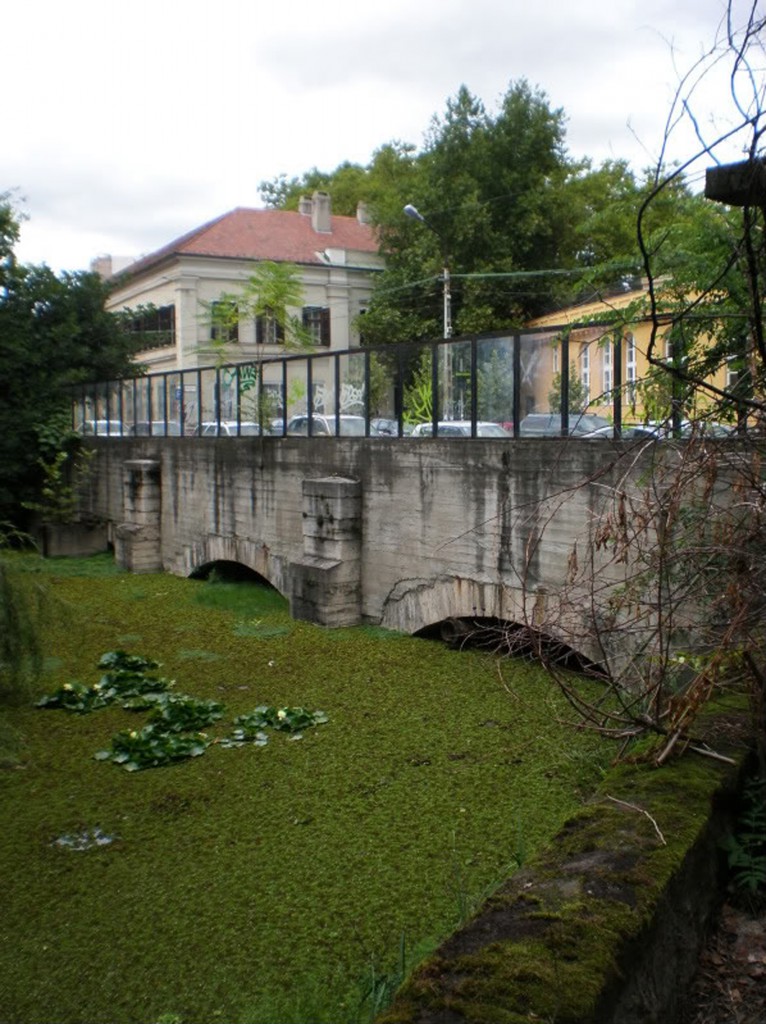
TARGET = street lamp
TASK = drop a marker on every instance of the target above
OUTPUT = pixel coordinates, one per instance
(415, 214)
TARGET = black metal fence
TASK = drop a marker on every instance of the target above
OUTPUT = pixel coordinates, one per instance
(526, 383)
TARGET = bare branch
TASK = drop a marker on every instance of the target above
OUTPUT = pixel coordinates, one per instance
(640, 810)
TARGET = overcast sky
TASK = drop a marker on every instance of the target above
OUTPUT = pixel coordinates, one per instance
(127, 124)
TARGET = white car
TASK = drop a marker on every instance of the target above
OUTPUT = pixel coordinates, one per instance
(230, 428)
(350, 426)
(460, 428)
(102, 428)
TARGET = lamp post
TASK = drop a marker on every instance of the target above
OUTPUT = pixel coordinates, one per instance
(415, 214)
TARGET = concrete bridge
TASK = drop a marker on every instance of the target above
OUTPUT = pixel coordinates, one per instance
(397, 532)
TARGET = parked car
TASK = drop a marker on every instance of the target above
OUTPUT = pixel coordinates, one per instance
(157, 428)
(230, 428)
(664, 431)
(105, 428)
(460, 428)
(547, 424)
(350, 426)
(705, 428)
(385, 427)
(643, 431)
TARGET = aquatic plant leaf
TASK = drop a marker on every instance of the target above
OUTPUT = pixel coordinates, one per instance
(122, 661)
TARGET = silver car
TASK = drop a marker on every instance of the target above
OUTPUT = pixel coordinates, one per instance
(460, 428)
(548, 424)
(350, 426)
(230, 428)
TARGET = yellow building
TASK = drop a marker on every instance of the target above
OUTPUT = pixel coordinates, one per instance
(606, 353)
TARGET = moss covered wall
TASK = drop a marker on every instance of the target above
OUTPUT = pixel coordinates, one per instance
(605, 926)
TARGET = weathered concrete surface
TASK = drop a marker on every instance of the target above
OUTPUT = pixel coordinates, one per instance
(137, 543)
(71, 540)
(327, 581)
(446, 527)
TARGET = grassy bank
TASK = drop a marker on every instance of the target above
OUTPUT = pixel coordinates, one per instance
(263, 884)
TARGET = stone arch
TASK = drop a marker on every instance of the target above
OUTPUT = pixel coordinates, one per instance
(416, 604)
(230, 572)
(254, 555)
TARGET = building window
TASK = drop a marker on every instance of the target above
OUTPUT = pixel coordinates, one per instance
(316, 320)
(359, 325)
(268, 330)
(152, 326)
(606, 368)
(224, 321)
(630, 363)
(555, 358)
(585, 372)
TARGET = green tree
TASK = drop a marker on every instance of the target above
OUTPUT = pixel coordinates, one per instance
(494, 382)
(522, 227)
(578, 393)
(22, 611)
(519, 224)
(271, 293)
(269, 297)
(54, 333)
(346, 184)
(707, 270)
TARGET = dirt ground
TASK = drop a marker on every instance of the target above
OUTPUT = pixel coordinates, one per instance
(730, 986)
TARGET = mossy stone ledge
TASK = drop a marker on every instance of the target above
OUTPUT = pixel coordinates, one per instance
(605, 926)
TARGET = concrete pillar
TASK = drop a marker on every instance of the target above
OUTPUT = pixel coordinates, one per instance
(137, 540)
(326, 584)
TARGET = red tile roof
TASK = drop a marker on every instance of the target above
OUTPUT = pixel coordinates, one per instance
(280, 235)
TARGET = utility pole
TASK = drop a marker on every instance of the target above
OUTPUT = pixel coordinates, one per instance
(414, 213)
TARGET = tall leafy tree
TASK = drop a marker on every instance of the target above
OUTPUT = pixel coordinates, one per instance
(521, 226)
(347, 185)
(54, 333)
(518, 223)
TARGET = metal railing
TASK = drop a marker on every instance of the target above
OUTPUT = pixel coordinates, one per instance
(522, 381)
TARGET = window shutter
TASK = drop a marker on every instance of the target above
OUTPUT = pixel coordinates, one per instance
(325, 327)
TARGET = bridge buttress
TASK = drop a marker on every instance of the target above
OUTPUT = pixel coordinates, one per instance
(137, 540)
(326, 582)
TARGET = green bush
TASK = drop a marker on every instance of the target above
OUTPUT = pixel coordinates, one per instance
(22, 616)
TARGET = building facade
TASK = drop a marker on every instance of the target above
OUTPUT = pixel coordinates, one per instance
(170, 298)
(597, 365)
(172, 291)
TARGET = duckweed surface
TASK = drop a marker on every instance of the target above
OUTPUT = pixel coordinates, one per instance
(269, 883)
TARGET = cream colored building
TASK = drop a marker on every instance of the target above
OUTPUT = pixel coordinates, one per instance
(171, 290)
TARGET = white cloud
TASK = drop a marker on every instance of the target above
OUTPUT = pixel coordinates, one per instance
(133, 124)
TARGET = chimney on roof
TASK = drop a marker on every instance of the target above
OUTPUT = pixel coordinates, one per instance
(362, 213)
(321, 215)
(102, 265)
(107, 266)
(305, 206)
